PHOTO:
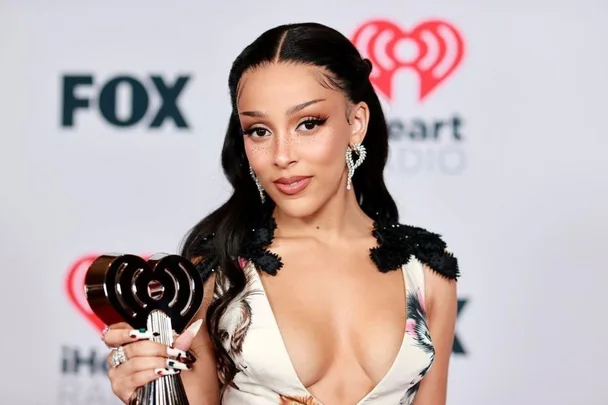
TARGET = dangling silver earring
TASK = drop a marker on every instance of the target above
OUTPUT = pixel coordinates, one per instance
(257, 184)
(358, 149)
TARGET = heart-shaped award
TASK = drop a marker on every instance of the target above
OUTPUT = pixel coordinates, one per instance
(160, 294)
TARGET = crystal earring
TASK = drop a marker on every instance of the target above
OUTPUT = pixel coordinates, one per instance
(360, 151)
(257, 184)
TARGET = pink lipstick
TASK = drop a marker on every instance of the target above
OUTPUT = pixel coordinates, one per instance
(292, 185)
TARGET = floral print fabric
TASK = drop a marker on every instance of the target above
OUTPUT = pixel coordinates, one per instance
(266, 376)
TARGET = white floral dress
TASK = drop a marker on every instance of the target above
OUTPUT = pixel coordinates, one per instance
(251, 336)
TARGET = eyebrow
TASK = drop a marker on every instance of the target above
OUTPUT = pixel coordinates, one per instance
(290, 111)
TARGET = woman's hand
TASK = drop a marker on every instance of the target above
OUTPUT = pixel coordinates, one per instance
(144, 360)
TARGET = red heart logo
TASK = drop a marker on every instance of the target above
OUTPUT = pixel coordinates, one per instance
(434, 49)
(74, 286)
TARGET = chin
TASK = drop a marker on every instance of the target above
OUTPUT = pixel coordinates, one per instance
(299, 207)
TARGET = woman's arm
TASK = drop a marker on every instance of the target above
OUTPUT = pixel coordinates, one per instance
(201, 383)
(441, 307)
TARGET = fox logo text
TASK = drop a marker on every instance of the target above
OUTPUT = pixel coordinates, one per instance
(124, 101)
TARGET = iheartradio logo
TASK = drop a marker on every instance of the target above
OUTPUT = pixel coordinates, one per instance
(74, 287)
(433, 49)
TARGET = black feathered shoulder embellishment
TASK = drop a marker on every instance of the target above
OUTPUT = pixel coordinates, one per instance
(397, 243)
(255, 248)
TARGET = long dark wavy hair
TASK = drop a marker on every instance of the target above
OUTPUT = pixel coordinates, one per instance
(344, 69)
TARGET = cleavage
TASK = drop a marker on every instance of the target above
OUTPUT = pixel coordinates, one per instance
(340, 319)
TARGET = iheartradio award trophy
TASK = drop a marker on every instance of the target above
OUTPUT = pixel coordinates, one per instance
(160, 294)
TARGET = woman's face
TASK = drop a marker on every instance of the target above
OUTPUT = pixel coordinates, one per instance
(296, 132)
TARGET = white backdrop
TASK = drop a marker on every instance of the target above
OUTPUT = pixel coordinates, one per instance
(521, 196)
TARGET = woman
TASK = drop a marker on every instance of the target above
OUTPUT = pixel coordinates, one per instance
(314, 292)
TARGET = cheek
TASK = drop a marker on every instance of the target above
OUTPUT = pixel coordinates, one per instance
(258, 153)
(326, 149)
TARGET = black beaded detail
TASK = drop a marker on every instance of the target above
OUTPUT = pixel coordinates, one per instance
(397, 244)
(255, 249)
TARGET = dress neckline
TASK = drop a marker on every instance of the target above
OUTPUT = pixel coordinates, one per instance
(252, 268)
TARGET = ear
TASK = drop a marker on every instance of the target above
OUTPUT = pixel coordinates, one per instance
(358, 119)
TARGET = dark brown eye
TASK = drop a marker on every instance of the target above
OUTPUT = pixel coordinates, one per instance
(311, 124)
(257, 132)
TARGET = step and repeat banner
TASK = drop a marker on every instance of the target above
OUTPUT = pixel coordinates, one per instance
(113, 116)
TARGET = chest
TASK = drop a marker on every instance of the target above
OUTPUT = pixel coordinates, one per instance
(333, 288)
(325, 323)
(333, 309)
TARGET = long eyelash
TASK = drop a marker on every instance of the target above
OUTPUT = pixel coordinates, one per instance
(314, 119)
(250, 131)
(318, 120)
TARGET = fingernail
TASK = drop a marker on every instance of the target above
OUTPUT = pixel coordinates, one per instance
(195, 327)
(174, 364)
(180, 355)
(166, 371)
(142, 334)
(104, 331)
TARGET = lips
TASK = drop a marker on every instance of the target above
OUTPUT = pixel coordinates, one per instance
(292, 185)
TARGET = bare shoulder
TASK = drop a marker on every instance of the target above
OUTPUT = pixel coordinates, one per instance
(441, 272)
(398, 244)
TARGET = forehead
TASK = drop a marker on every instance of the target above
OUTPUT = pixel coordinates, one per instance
(283, 84)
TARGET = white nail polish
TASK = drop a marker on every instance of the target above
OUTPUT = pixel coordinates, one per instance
(166, 371)
(174, 364)
(195, 327)
(173, 352)
(142, 334)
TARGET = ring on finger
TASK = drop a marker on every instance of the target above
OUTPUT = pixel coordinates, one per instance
(118, 357)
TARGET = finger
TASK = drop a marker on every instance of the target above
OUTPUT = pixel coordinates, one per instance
(120, 325)
(124, 388)
(119, 337)
(115, 326)
(146, 348)
(184, 341)
(138, 364)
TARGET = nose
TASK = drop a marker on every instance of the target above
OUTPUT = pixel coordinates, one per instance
(284, 151)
